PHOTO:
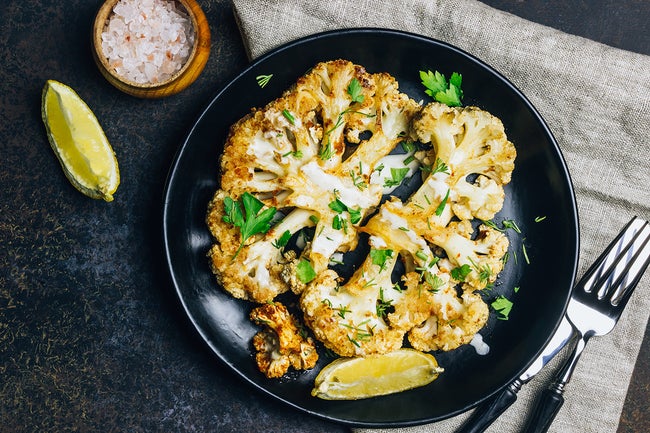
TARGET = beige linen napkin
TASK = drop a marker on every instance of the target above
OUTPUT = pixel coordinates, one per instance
(596, 101)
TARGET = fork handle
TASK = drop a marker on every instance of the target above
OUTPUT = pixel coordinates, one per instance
(552, 399)
(484, 415)
(545, 412)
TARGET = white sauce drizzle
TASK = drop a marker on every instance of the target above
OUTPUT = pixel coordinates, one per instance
(481, 347)
(392, 161)
(349, 195)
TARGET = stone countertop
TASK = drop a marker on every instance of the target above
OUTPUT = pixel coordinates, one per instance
(92, 337)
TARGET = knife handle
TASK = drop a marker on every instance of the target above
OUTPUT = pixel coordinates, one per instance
(485, 414)
(545, 411)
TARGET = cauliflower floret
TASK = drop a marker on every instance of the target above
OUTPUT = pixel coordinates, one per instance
(280, 345)
(371, 313)
(482, 256)
(472, 144)
(254, 271)
(289, 155)
(454, 321)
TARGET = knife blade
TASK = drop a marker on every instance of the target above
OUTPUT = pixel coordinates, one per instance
(485, 414)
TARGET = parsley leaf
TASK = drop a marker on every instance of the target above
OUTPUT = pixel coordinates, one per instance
(354, 90)
(339, 207)
(503, 306)
(282, 240)
(305, 272)
(251, 221)
(379, 257)
(443, 91)
(461, 272)
(355, 215)
(397, 176)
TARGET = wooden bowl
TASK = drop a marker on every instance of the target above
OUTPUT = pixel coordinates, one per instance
(188, 73)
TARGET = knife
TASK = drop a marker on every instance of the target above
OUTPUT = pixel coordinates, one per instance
(486, 413)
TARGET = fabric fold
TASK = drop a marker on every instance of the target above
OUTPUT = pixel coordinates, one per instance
(596, 101)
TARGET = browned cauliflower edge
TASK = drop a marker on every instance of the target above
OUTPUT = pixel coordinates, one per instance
(281, 344)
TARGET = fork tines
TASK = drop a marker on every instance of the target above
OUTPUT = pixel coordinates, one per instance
(620, 267)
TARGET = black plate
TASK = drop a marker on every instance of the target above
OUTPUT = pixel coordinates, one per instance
(540, 187)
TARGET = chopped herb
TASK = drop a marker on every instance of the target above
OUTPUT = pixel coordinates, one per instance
(379, 168)
(360, 332)
(434, 281)
(421, 255)
(251, 221)
(342, 311)
(491, 224)
(383, 306)
(355, 215)
(440, 167)
(305, 272)
(339, 207)
(441, 207)
(461, 272)
(263, 80)
(540, 219)
(523, 249)
(484, 273)
(443, 91)
(511, 224)
(397, 176)
(379, 257)
(295, 154)
(404, 229)
(314, 219)
(409, 159)
(354, 90)
(339, 223)
(358, 181)
(369, 283)
(408, 146)
(289, 116)
(326, 151)
(282, 240)
(516, 289)
(353, 341)
(503, 306)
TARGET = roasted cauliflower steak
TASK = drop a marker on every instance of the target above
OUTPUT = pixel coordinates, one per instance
(299, 187)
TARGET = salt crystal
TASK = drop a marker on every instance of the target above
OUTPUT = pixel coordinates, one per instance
(150, 40)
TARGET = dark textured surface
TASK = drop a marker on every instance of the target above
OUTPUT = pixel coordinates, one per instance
(92, 337)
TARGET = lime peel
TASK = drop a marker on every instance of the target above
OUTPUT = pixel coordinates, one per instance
(79, 142)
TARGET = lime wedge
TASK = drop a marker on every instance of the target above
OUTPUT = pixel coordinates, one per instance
(374, 375)
(79, 142)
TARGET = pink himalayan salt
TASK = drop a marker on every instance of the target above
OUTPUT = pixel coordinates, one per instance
(147, 41)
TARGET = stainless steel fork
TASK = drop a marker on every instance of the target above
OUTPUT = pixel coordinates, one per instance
(596, 305)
